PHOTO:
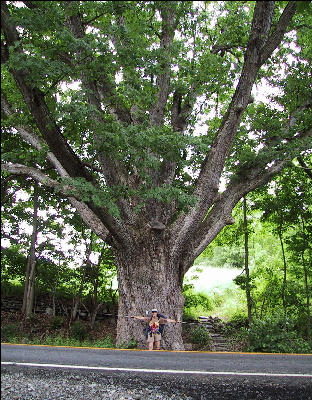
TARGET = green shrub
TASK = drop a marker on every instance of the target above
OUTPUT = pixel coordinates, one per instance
(237, 339)
(107, 343)
(236, 323)
(54, 340)
(10, 332)
(79, 331)
(59, 340)
(196, 299)
(276, 334)
(199, 335)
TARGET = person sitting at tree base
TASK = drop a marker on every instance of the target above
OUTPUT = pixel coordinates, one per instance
(155, 328)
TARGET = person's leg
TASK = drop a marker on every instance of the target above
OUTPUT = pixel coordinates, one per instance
(150, 341)
(157, 341)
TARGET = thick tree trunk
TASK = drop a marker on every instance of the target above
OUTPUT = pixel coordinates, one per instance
(147, 280)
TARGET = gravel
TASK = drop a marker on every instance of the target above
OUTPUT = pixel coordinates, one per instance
(22, 383)
(51, 385)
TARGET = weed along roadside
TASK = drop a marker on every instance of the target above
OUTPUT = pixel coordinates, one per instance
(203, 334)
(44, 328)
(49, 330)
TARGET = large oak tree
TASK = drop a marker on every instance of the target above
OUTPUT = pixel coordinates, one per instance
(136, 111)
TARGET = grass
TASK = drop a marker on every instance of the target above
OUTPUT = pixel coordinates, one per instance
(59, 340)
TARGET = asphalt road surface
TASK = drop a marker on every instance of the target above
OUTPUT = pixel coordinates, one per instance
(273, 376)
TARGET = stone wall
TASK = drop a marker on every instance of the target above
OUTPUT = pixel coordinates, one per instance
(43, 305)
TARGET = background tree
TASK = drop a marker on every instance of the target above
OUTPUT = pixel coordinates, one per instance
(29, 287)
(100, 276)
(288, 208)
(107, 96)
(247, 274)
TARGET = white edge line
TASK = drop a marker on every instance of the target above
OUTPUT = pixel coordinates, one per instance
(157, 371)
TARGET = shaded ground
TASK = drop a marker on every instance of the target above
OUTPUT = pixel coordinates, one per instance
(42, 325)
(39, 327)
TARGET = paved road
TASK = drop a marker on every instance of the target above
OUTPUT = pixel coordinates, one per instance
(210, 362)
(213, 376)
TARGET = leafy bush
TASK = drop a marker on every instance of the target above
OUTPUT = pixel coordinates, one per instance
(79, 331)
(236, 322)
(59, 340)
(193, 299)
(199, 335)
(276, 334)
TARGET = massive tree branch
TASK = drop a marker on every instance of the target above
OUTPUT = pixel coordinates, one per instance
(34, 99)
(169, 24)
(157, 110)
(100, 219)
(220, 214)
(114, 172)
(87, 215)
(281, 27)
(208, 182)
(67, 161)
(179, 119)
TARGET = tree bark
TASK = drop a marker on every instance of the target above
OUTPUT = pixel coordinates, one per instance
(147, 279)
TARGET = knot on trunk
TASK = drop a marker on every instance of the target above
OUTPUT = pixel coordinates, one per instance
(157, 225)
